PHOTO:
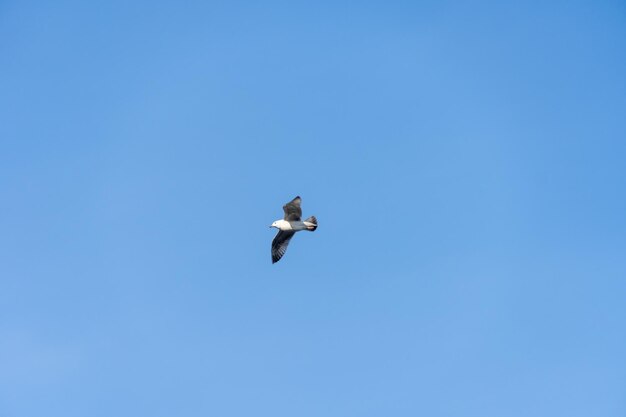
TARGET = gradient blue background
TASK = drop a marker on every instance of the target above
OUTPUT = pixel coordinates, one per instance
(466, 162)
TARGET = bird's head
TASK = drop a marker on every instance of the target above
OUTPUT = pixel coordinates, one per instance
(275, 224)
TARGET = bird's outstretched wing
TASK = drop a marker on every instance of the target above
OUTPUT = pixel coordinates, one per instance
(279, 244)
(292, 209)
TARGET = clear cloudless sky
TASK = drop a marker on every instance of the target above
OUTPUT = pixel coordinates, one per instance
(466, 162)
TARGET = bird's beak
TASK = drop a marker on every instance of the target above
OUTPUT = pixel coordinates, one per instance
(270, 226)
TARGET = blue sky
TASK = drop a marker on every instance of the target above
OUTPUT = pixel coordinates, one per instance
(465, 160)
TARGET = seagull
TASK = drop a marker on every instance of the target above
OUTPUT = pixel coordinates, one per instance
(289, 226)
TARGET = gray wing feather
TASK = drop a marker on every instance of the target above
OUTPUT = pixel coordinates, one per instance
(293, 211)
(279, 244)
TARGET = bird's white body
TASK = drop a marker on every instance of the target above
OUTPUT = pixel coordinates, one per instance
(295, 226)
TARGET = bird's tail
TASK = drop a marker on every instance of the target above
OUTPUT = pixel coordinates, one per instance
(311, 224)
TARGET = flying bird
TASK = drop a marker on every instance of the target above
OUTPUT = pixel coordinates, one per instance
(288, 227)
